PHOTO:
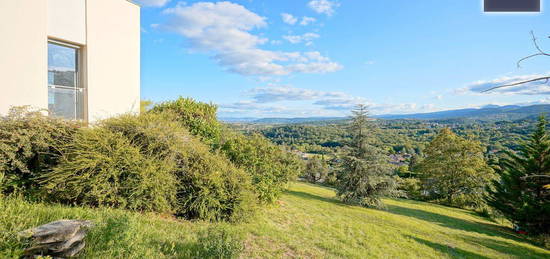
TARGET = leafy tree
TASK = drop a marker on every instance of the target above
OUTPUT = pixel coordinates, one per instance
(520, 194)
(366, 175)
(455, 171)
(316, 170)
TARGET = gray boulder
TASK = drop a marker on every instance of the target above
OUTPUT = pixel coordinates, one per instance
(59, 239)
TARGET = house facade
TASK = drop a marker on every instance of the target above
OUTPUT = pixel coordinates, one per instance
(79, 59)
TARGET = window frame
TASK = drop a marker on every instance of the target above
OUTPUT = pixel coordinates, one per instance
(79, 75)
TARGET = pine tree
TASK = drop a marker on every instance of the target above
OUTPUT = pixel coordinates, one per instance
(521, 194)
(366, 175)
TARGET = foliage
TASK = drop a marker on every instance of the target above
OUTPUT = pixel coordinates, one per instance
(219, 242)
(365, 175)
(29, 143)
(103, 168)
(208, 186)
(310, 223)
(455, 171)
(199, 118)
(520, 194)
(270, 167)
(316, 170)
(411, 187)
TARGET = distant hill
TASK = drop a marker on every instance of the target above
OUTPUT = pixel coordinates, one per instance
(281, 120)
(486, 113)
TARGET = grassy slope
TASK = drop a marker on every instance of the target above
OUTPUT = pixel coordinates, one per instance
(307, 222)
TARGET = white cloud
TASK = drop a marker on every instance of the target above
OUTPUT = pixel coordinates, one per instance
(288, 101)
(152, 3)
(289, 18)
(323, 6)
(307, 38)
(307, 20)
(224, 30)
(531, 88)
(270, 94)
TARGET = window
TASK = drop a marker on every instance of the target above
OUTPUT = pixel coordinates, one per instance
(65, 93)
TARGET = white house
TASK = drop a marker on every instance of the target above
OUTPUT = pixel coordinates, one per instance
(80, 59)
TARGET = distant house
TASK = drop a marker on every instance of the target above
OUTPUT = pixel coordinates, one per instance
(80, 59)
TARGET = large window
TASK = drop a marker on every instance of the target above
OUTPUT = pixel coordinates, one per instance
(65, 93)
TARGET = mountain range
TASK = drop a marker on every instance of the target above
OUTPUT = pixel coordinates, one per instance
(486, 113)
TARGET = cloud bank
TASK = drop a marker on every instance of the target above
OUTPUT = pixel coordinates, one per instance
(225, 31)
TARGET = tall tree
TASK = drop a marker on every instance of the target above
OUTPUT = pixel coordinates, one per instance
(455, 171)
(521, 194)
(366, 175)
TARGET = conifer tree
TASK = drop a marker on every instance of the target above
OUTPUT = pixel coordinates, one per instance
(366, 175)
(521, 194)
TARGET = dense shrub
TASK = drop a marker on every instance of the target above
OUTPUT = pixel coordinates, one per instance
(29, 144)
(208, 185)
(219, 242)
(103, 168)
(270, 166)
(199, 118)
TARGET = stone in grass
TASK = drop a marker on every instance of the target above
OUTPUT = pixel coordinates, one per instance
(59, 239)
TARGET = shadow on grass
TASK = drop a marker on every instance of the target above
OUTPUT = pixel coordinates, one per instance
(310, 196)
(451, 251)
(507, 248)
(456, 223)
(502, 247)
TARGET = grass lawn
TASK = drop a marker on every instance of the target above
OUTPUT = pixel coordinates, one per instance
(307, 222)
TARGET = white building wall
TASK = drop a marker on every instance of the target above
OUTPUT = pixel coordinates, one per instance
(67, 20)
(113, 58)
(108, 32)
(23, 54)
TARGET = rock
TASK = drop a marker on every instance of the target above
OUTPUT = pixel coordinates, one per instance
(59, 239)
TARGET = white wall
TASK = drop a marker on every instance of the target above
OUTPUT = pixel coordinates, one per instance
(67, 20)
(23, 54)
(113, 58)
(107, 30)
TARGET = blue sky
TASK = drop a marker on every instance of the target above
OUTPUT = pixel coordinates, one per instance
(301, 58)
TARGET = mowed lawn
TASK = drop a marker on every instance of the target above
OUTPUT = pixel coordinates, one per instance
(307, 222)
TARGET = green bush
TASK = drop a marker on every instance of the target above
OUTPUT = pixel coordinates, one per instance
(29, 147)
(411, 187)
(103, 168)
(270, 166)
(199, 118)
(208, 186)
(219, 242)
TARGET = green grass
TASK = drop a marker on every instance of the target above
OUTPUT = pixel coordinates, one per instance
(307, 222)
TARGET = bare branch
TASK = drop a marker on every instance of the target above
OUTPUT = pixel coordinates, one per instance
(546, 78)
(539, 49)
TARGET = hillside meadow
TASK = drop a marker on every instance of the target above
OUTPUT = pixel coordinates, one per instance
(306, 222)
